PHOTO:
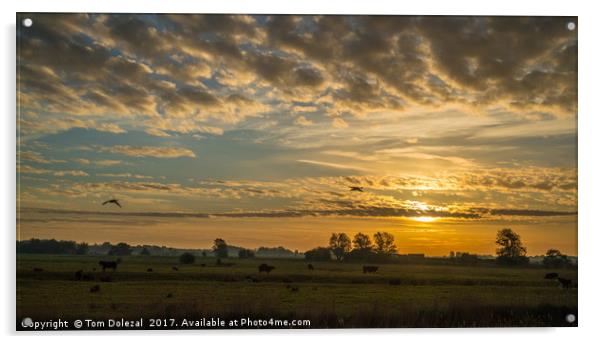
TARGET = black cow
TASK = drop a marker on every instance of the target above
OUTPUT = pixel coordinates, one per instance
(310, 267)
(265, 268)
(551, 275)
(78, 275)
(149, 270)
(369, 269)
(174, 268)
(109, 265)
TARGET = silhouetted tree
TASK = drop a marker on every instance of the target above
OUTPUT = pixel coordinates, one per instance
(362, 241)
(145, 252)
(82, 248)
(340, 244)
(511, 250)
(318, 254)
(121, 249)
(44, 246)
(220, 248)
(555, 259)
(384, 243)
(246, 253)
(187, 258)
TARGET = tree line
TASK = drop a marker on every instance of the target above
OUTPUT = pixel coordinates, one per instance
(361, 248)
(380, 247)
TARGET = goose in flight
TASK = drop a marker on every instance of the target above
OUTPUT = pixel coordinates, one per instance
(356, 188)
(112, 201)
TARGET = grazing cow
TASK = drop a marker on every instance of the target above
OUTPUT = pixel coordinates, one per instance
(203, 265)
(265, 268)
(551, 275)
(310, 267)
(78, 275)
(170, 295)
(149, 270)
(37, 270)
(369, 269)
(109, 265)
(174, 268)
(95, 289)
(566, 283)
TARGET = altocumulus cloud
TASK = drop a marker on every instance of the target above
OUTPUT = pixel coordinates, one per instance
(159, 66)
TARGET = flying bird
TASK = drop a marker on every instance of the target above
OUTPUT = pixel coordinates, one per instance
(356, 188)
(112, 201)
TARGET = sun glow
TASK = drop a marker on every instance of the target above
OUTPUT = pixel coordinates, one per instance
(425, 219)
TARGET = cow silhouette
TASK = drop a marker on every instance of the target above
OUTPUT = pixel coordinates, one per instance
(108, 264)
(78, 275)
(551, 275)
(310, 266)
(369, 269)
(265, 268)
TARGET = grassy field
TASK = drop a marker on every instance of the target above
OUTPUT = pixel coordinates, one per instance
(332, 295)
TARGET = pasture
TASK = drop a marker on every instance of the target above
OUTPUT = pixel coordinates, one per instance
(334, 294)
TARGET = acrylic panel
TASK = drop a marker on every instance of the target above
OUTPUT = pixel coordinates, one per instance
(190, 171)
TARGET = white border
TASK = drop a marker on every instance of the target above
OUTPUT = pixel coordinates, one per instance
(590, 172)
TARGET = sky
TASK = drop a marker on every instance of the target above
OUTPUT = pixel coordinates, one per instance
(253, 128)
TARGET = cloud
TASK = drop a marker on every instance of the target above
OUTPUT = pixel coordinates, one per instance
(102, 163)
(232, 67)
(302, 121)
(149, 151)
(124, 175)
(38, 158)
(110, 127)
(365, 212)
(339, 123)
(59, 173)
(330, 165)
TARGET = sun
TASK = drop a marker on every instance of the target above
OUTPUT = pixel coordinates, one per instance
(425, 219)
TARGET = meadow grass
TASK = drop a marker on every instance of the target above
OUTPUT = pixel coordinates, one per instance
(333, 295)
